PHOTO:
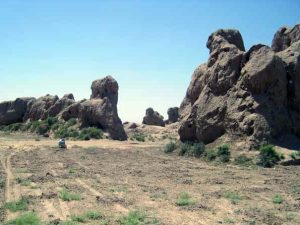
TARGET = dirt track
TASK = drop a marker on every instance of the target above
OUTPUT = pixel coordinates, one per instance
(117, 177)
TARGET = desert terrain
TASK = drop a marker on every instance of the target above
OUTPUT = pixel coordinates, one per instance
(118, 182)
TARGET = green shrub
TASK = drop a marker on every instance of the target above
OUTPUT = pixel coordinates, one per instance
(170, 147)
(71, 122)
(192, 149)
(29, 218)
(268, 157)
(233, 197)
(20, 205)
(90, 132)
(210, 154)
(139, 137)
(66, 195)
(223, 153)
(243, 160)
(50, 121)
(42, 128)
(184, 199)
(277, 199)
(134, 218)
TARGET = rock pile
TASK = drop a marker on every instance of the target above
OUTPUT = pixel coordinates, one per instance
(153, 118)
(252, 95)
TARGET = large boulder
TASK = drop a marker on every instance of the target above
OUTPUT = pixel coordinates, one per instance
(173, 115)
(250, 95)
(59, 105)
(153, 118)
(285, 37)
(13, 111)
(101, 110)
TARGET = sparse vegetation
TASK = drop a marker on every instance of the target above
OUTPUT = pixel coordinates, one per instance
(223, 153)
(268, 156)
(243, 160)
(66, 195)
(210, 154)
(29, 218)
(139, 137)
(170, 147)
(192, 149)
(138, 218)
(20, 205)
(233, 197)
(277, 199)
(23, 182)
(91, 215)
(184, 199)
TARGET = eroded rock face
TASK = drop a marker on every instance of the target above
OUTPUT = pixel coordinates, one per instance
(101, 110)
(13, 111)
(251, 95)
(153, 118)
(285, 37)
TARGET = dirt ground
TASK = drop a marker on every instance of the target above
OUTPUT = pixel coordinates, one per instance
(115, 178)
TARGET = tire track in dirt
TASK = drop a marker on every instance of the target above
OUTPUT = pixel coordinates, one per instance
(96, 193)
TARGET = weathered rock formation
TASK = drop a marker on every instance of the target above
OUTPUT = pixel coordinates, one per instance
(153, 118)
(252, 95)
(173, 115)
(13, 111)
(101, 110)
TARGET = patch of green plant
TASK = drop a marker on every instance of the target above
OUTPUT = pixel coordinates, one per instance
(2, 183)
(184, 199)
(29, 218)
(72, 171)
(170, 147)
(139, 137)
(243, 160)
(192, 149)
(138, 218)
(223, 153)
(23, 182)
(91, 215)
(290, 216)
(229, 220)
(68, 222)
(233, 197)
(66, 195)
(277, 199)
(210, 154)
(89, 133)
(151, 138)
(20, 205)
(268, 156)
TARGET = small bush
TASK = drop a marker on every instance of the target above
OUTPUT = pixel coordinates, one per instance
(277, 199)
(66, 195)
(233, 197)
(210, 154)
(192, 149)
(184, 199)
(50, 121)
(91, 132)
(223, 153)
(268, 157)
(71, 122)
(20, 205)
(170, 147)
(243, 160)
(139, 137)
(29, 218)
(134, 218)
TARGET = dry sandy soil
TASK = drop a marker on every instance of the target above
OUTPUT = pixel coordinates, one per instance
(115, 178)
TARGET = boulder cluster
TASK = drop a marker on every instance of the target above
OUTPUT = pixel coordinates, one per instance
(154, 118)
(253, 95)
(100, 111)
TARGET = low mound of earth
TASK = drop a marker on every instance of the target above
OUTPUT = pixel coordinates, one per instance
(115, 178)
(249, 95)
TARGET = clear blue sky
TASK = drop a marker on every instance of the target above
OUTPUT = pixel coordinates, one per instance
(150, 47)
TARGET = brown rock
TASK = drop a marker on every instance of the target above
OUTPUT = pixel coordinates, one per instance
(153, 118)
(285, 37)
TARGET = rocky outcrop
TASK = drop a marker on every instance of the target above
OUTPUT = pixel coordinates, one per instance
(250, 95)
(101, 110)
(61, 104)
(153, 118)
(173, 115)
(285, 37)
(13, 111)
